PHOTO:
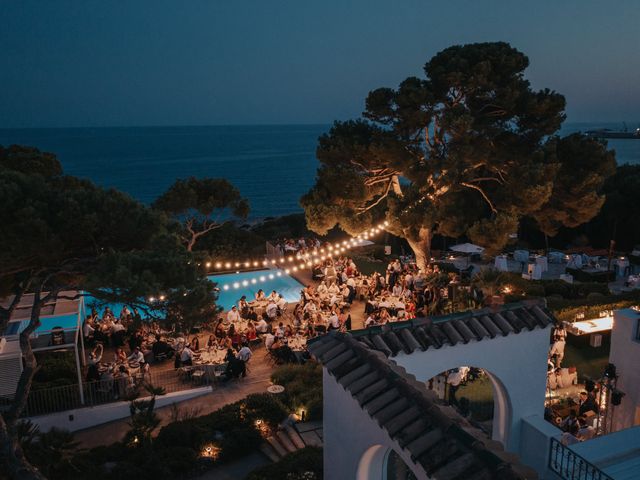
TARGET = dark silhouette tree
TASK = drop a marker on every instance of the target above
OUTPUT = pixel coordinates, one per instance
(468, 150)
(62, 236)
(201, 204)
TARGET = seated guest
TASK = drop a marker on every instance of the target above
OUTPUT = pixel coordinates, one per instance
(587, 404)
(280, 330)
(370, 321)
(220, 331)
(272, 310)
(243, 306)
(570, 438)
(334, 321)
(396, 291)
(262, 326)
(585, 432)
(244, 353)
(235, 368)
(119, 356)
(161, 348)
(252, 315)
(322, 289)
(288, 331)
(273, 296)
(251, 332)
(212, 343)
(136, 356)
(232, 315)
(260, 295)
(87, 329)
(186, 357)
(333, 289)
(269, 340)
(195, 344)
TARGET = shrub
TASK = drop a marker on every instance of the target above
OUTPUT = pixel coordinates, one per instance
(188, 433)
(294, 466)
(265, 407)
(303, 388)
(238, 442)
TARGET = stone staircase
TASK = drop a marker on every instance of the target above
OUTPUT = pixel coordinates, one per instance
(290, 437)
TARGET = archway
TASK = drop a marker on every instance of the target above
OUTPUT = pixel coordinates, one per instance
(477, 395)
(380, 462)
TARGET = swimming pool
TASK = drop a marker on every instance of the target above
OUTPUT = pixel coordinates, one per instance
(46, 324)
(234, 285)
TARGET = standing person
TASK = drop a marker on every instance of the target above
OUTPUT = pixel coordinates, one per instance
(557, 350)
(186, 357)
(244, 355)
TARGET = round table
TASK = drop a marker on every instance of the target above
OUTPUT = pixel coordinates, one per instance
(275, 389)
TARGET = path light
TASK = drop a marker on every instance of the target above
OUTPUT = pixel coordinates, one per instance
(210, 451)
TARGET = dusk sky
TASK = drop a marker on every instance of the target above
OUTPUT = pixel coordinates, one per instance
(108, 63)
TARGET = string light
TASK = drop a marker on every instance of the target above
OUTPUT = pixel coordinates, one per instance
(307, 258)
(315, 255)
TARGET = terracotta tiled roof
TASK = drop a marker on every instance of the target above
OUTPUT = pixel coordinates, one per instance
(437, 438)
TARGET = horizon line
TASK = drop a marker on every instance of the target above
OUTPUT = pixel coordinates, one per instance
(309, 124)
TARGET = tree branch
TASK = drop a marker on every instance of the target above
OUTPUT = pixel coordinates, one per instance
(382, 197)
(484, 195)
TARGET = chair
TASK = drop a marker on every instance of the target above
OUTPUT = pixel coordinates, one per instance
(57, 337)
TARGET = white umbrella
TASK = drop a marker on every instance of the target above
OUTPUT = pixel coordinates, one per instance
(467, 248)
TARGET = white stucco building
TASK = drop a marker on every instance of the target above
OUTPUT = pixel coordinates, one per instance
(625, 355)
(376, 400)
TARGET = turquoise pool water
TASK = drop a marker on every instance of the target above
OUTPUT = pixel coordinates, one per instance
(46, 324)
(233, 285)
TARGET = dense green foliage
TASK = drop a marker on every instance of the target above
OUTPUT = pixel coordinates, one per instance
(61, 235)
(200, 204)
(303, 388)
(305, 464)
(177, 451)
(468, 150)
(56, 369)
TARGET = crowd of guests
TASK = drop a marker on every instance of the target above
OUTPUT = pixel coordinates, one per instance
(300, 245)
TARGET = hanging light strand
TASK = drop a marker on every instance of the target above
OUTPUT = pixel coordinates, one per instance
(294, 264)
(326, 251)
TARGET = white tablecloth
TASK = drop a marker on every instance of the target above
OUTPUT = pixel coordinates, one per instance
(521, 256)
(501, 263)
(542, 261)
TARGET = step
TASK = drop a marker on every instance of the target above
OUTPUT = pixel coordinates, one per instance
(305, 427)
(275, 444)
(311, 439)
(294, 436)
(269, 452)
(286, 441)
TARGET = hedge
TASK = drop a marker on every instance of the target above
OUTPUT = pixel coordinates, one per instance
(566, 310)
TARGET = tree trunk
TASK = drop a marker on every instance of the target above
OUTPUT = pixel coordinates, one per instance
(17, 464)
(421, 247)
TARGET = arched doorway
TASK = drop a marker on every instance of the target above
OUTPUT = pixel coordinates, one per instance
(380, 462)
(477, 395)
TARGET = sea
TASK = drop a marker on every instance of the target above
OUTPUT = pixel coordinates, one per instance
(272, 165)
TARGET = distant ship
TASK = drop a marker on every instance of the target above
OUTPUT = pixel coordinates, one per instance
(608, 133)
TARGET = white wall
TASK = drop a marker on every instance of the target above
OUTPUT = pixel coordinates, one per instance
(517, 361)
(88, 417)
(535, 443)
(625, 355)
(349, 433)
